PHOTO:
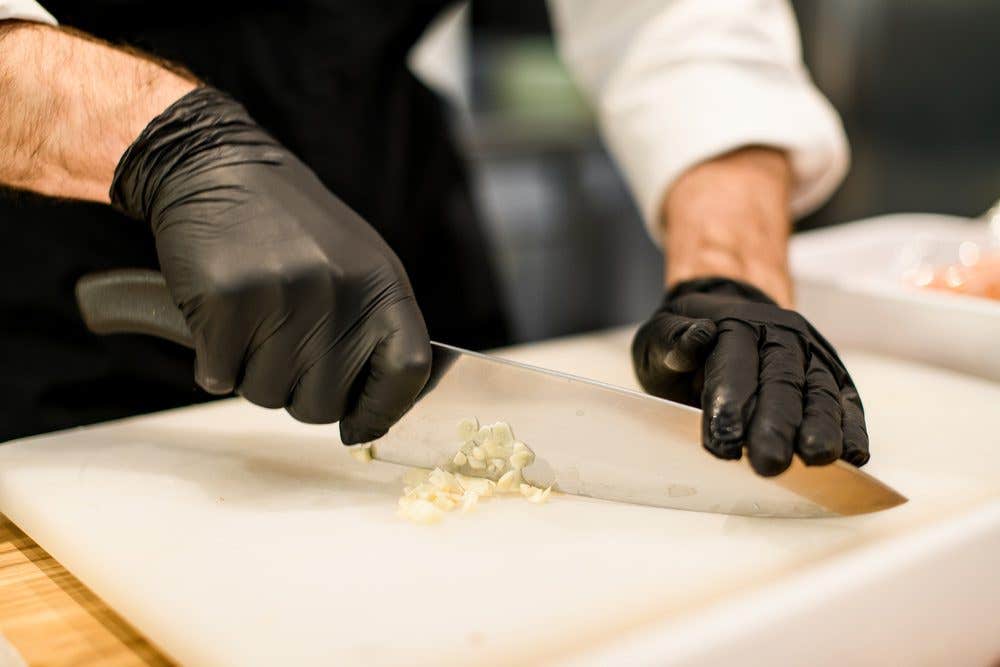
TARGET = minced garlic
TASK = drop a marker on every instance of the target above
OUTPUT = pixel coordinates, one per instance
(489, 461)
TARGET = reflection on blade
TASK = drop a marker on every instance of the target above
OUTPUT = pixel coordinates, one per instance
(596, 440)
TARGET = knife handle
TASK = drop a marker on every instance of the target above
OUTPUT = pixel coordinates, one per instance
(131, 301)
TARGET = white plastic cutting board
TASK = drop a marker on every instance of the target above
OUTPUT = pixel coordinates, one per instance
(232, 535)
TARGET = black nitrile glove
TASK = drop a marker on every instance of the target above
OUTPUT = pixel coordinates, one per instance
(292, 298)
(763, 375)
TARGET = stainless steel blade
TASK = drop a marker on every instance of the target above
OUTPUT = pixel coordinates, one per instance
(593, 439)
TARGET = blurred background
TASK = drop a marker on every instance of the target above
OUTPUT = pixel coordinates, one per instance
(913, 80)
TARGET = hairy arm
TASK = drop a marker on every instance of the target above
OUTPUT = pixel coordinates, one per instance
(730, 217)
(70, 105)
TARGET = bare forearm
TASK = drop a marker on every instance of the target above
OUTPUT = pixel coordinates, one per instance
(730, 217)
(70, 106)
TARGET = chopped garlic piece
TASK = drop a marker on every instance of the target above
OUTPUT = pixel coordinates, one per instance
(521, 459)
(362, 453)
(459, 459)
(478, 454)
(540, 496)
(501, 433)
(534, 494)
(445, 481)
(492, 449)
(445, 502)
(480, 485)
(468, 428)
(419, 511)
(476, 464)
(484, 434)
(508, 481)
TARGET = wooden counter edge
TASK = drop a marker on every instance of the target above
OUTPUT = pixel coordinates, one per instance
(52, 619)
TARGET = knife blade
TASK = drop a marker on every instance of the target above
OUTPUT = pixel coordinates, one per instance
(589, 438)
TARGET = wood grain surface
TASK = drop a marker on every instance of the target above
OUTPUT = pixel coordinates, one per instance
(53, 620)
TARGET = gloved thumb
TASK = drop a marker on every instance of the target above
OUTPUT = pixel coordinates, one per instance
(667, 349)
(673, 343)
(691, 347)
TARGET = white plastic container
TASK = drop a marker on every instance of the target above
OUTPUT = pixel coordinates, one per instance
(854, 283)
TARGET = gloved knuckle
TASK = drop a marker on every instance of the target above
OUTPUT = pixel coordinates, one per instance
(313, 277)
(229, 285)
(413, 364)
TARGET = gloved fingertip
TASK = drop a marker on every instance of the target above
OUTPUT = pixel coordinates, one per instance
(726, 422)
(731, 451)
(212, 379)
(353, 433)
(818, 450)
(855, 456)
(769, 462)
(214, 385)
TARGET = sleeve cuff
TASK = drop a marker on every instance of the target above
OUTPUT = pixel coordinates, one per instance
(688, 113)
(25, 10)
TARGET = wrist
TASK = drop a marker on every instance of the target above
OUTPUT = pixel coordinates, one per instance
(729, 217)
(775, 282)
(204, 120)
(73, 105)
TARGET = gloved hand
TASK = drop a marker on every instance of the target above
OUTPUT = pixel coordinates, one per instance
(763, 375)
(292, 298)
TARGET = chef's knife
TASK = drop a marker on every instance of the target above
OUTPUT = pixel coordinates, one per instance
(590, 439)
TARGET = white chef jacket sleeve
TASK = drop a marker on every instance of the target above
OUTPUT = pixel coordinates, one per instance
(25, 10)
(676, 82)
